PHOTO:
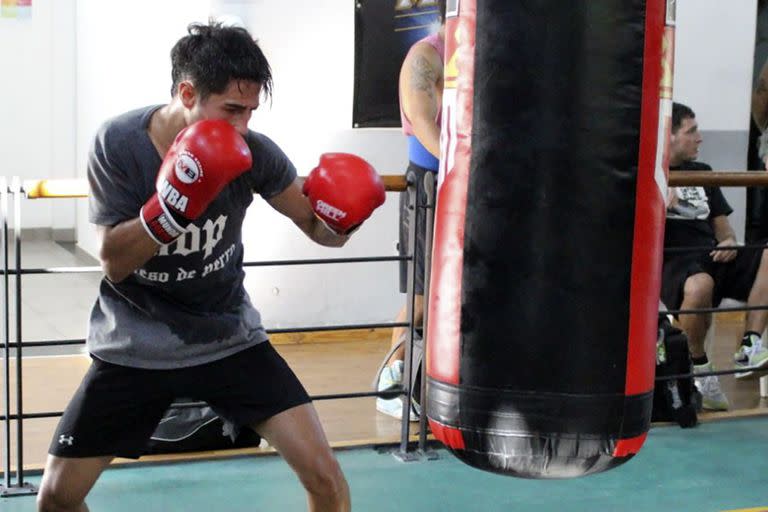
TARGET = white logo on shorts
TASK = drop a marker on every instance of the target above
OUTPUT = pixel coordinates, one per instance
(188, 168)
(68, 440)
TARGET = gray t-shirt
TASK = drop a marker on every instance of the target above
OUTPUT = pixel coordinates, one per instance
(187, 304)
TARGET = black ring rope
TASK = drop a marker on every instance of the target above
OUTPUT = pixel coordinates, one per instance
(285, 330)
(274, 263)
(389, 393)
(704, 248)
(756, 369)
(394, 392)
(698, 311)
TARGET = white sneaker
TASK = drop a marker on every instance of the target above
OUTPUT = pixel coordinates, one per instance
(755, 356)
(392, 376)
(712, 396)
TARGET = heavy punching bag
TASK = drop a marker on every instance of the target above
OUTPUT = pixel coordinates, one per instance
(548, 234)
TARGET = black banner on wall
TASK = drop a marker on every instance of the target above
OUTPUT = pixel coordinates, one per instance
(384, 31)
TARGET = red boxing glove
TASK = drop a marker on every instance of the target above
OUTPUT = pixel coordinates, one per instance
(344, 190)
(204, 158)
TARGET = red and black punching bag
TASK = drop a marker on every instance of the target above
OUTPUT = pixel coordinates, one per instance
(548, 234)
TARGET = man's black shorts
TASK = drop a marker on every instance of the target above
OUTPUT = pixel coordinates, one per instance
(415, 173)
(733, 280)
(116, 409)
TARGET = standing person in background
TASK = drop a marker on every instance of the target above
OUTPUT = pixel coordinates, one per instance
(421, 98)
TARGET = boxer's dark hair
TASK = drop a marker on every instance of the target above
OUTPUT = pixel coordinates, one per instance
(680, 112)
(211, 55)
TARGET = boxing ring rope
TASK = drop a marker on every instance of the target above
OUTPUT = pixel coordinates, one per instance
(78, 188)
(720, 178)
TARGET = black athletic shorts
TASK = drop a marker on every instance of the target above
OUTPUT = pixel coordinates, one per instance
(733, 280)
(417, 174)
(116, 408)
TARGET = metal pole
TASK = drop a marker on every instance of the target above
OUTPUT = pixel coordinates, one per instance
(6, 339)
(16, 187)
(429, 189)
(19, 488)
(412, 230)
(20, 485)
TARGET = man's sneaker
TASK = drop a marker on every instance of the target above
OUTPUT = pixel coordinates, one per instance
(712, 396)
(755, 356)
(392, 376)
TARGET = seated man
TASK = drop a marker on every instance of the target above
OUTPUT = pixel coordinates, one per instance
(697, 217)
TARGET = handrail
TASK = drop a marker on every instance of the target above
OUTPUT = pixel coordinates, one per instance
(62, 188)
(56, 188)
(718, 178)
(74, 188)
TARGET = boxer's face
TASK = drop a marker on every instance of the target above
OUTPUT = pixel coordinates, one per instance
(235, 104)
(684, 143)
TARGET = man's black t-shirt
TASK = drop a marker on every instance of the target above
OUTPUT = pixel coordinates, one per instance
(689, 217)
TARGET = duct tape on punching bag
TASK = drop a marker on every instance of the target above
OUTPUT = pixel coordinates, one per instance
(548, 233)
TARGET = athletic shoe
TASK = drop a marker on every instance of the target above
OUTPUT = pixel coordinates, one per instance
(392, 376)
(712, 396)
(754, 356)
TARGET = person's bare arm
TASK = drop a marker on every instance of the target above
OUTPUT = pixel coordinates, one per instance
(295, 205)
(123, 248)
(421, 79)
(725, 237)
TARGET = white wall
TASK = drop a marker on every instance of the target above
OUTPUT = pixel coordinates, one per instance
(86, 60)
(37, 104)
(123, 63)
(715, 41)
(714, 48)
(312, 114)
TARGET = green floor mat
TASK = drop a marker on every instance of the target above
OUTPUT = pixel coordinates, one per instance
(715, 467)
